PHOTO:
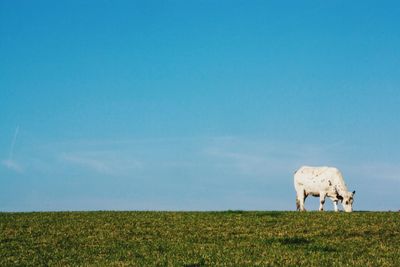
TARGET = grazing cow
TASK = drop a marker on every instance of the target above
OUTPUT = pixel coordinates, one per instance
(322, 182)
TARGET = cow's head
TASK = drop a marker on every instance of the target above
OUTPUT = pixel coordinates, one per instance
(347, 201)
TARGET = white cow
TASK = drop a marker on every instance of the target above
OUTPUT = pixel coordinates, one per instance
(322, 182)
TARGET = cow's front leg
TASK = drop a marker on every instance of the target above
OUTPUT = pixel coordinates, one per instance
(335, 205)
(321, 201)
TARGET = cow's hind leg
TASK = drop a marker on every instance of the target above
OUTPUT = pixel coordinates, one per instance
(321, 201)
(301, 197)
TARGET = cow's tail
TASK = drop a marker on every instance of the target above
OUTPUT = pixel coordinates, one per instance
(297, 204)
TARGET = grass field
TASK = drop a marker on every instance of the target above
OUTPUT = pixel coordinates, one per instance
(232, 238)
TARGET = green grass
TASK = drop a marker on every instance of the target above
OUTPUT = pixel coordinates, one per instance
(232, 238)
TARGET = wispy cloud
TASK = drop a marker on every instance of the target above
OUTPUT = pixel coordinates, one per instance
(246, 163)
(110, 163)
(14, 140)
(263, 158)
(376, 171)
(12, 165)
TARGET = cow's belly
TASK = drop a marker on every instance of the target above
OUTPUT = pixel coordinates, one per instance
(313, 191)
(314, 185)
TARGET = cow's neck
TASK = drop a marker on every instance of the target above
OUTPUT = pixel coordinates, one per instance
(341, 189)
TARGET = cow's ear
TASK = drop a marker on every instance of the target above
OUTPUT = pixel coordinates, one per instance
(354, 192)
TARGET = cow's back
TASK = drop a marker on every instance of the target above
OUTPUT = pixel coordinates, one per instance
(315, 178)
(308, 173)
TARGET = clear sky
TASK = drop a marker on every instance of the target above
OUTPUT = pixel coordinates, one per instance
(196, 105)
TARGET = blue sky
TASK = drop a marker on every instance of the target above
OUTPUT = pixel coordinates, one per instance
(196, 105)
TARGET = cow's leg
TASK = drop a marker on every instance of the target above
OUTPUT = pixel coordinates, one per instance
(297, 203)
(321, 201)
(335, 205)
(301, 196)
